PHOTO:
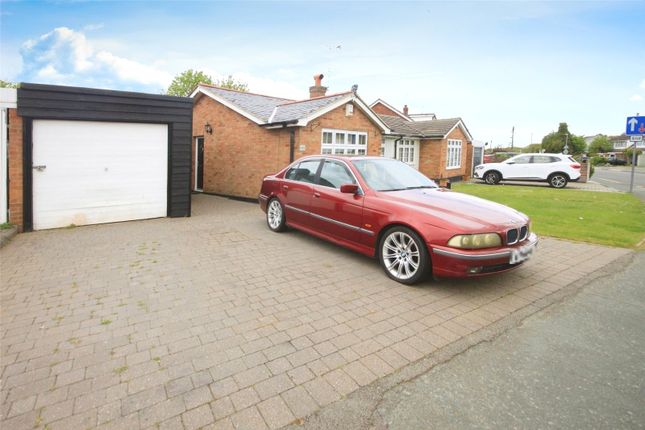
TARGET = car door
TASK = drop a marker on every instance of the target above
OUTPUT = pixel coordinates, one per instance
(543, 165)
(337, 214)
(297, 189)
(517, 167)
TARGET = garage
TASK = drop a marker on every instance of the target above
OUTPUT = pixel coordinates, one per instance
(97, 156)
(98, 172)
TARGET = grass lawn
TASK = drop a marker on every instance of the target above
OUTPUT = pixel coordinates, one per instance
(614, 219)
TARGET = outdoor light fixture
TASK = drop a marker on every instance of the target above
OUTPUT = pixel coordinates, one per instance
(208, 129)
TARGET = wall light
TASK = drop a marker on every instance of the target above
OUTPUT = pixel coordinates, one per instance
(208, 129)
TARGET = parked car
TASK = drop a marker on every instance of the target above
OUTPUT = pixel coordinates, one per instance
(386, 209)
(556, 169)
(617, 161)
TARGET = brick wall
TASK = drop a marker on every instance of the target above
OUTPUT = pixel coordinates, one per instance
(433, 156)
(381, 109)
(311, 135)
(15, 201)
(240, 153)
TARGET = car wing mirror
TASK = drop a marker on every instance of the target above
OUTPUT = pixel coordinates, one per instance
(349, 188)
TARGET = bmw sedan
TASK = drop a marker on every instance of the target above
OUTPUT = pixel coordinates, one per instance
(385, 209)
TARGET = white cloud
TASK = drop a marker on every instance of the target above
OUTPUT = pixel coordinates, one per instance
(643, 84)
(66, 56)
(636, 98)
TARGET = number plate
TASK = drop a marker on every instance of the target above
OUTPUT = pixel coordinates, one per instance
(521, 254)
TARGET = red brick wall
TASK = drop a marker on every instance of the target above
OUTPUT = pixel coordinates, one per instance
(240, 153)
(15, 169)
(433, 157)
(381, 109)
(311, 135)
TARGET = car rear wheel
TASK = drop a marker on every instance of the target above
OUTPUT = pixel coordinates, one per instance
(492, 178)
(275, 215)
(558, 180)
(403, 255)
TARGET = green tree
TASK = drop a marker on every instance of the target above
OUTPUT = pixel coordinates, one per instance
(629, 153)
(233, 84)
(554, 142)
(185, 82)
(600, 144)
(7, 84)
(532, 148)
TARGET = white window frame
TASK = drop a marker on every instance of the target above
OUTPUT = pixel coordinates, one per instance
(407, 151)
(344, 148)
(453, 154)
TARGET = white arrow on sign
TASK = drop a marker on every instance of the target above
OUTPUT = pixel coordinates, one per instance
(633, 122)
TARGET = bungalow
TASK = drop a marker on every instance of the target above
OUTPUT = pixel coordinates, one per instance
(240, 137)
(440, 148)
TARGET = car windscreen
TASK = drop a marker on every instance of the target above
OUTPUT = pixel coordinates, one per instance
(391, 175)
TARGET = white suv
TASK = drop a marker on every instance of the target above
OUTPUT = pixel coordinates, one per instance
(556, 169)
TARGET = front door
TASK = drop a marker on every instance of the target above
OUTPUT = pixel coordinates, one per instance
(336, 214)
(199, 164)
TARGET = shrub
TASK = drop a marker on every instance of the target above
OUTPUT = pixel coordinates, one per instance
(598, 161)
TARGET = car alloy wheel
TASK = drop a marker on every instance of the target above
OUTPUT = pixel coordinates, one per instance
(558, 181)
(403, 255)
(275, 215)
(492, 178)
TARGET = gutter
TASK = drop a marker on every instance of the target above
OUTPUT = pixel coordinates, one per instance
(280, 124)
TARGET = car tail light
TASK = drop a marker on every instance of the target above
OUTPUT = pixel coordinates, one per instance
(576, 165)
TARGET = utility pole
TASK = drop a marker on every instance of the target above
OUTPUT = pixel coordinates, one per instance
(512, 136)
(631, 179)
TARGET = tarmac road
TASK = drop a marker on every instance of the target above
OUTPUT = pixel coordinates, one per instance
(618, 178)
(576, 364)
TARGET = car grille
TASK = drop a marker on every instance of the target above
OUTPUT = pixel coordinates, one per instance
(515, 235)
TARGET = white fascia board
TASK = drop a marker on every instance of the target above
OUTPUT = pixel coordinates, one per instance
(229, 105)
(392, 108)
(275, 110)
(330, 107)
(8, 98)
(461, 125)
(369, 112)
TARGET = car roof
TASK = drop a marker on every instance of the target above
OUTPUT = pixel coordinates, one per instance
(542, 153)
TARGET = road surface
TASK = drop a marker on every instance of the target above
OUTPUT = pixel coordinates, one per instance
(618, 178)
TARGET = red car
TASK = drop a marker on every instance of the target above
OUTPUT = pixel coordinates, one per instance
(386, 209)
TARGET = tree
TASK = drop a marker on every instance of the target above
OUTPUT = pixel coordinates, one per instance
(185, 82)
(233, 84)
(7, 84)
(554, 142)
(629, 154)
(532, 148)
(600, 144)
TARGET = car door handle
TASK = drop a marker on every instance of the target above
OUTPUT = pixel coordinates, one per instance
(285, 187)
(316, 194)
(39, 168)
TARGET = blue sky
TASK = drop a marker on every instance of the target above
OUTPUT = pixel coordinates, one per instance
(496, 64)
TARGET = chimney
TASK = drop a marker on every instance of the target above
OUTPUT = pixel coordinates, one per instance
(317, 90)
(405, 110)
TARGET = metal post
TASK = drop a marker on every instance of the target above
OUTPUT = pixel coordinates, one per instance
(631, 180)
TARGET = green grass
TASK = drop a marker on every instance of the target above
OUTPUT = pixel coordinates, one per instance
(614, 219)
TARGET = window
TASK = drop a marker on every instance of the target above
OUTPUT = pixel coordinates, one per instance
(620, 144)
(453, 158)
(335, 174)
(341, 142)
(543, 159)
(304, 171)
(523, 159)
(406, 150)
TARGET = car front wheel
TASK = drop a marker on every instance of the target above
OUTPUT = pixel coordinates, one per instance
(403, 255)
(275, 215)
(558, 180)
(492, 178)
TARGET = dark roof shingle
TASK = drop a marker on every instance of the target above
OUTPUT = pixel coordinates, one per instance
(431, 128)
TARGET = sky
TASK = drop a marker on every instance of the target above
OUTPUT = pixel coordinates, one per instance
(497, 65)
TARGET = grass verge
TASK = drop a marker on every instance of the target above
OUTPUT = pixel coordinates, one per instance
(614, 219)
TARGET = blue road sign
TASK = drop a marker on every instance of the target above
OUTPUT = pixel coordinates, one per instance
(635, 125)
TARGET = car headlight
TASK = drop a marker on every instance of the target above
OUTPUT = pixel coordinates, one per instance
(475, 241)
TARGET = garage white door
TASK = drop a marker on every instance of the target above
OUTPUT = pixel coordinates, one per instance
(96, 172)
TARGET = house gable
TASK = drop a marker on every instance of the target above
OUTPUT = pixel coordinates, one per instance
(383, 108)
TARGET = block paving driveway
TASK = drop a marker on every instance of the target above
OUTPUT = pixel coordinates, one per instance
(215, 322)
